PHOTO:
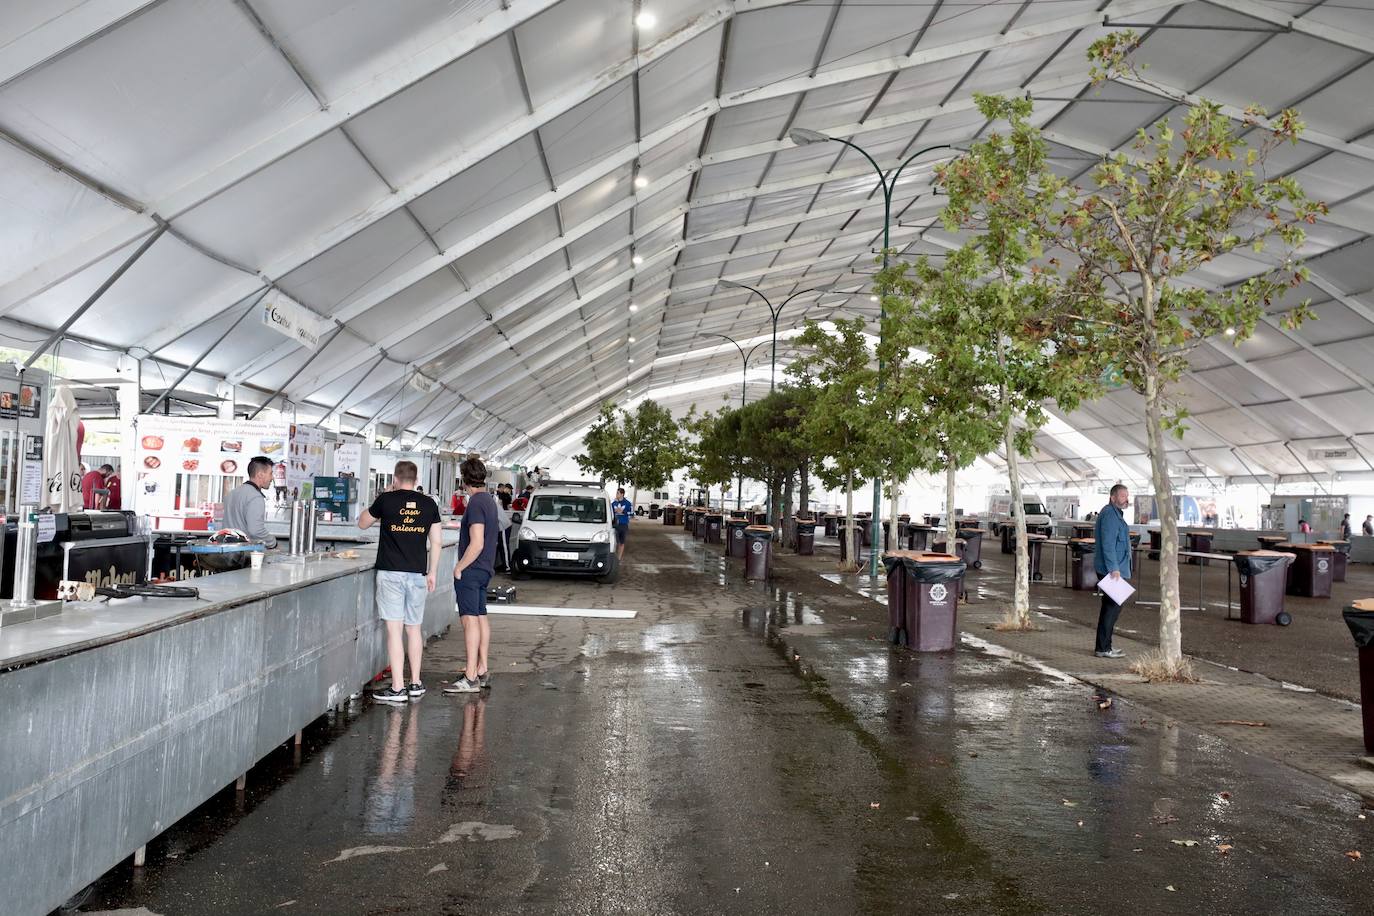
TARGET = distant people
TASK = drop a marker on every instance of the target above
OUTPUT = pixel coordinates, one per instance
(523, 500)
(458, 504)
(1304, 527)
(279, 480)
(93, 487)
(1368, 526)
(1345, 527)
(407, 570)
(245, 508)
(621, 509)
(503, 496)
(114, 498)
(472, 573)
(1111, 559)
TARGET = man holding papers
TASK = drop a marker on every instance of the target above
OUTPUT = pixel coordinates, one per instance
(1112, 560)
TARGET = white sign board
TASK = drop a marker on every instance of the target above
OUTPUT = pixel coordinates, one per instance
(304, 459)
(291, 320)
(348, 460)
(169, 446)
(1329, 454)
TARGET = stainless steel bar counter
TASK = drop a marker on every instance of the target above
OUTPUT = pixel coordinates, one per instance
(117, 719)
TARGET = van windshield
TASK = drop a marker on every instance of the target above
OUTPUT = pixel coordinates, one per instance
(589, 509)
(1034, 509)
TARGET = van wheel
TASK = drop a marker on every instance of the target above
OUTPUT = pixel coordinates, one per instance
(518, 575)
(612, 575)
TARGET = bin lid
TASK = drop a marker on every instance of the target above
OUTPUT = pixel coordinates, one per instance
(1364, 604)
(1305, 546)
(1335, 543)
(924, 556)
(1037, 537)
(903, 554)
(1260, 553)
(767, 528)
(1081, 540)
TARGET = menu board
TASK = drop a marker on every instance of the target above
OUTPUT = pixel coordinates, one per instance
(168, 446)
(348, 459)
(19, 401)
(305, 459)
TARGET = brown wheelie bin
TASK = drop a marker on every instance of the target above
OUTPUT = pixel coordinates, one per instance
(734, 537)
(918, 536)
(896, 596)
(1340, 560)
(1261, 574)
(973, 546)
(933, 584)
(758, 556)
(1080, 572)
(1310, 574)
(715, 527)
(1360, 618)
(806, 537)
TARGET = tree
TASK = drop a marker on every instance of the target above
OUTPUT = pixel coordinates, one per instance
(772, 444)
(641, 449)
(837, 425)
(1118, 255)
(714, 457)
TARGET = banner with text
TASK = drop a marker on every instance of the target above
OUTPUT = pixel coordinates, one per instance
(202, 446)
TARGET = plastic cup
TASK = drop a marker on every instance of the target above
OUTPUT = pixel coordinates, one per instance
(255, 559)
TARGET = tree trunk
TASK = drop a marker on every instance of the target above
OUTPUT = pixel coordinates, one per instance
(1020, 592)
(805, 488)
(1170, 607)
(788, 491)
(892, 517)
(847, 529)
(950, 471)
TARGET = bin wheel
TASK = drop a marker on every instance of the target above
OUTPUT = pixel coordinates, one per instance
(977, 564)
(1283, 618)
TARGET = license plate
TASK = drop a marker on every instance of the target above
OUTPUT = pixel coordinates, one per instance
(561, 555)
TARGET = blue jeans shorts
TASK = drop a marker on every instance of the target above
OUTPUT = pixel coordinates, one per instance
(401, 596)
(471, 593)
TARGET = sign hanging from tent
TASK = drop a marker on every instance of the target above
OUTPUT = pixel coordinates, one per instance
(289, 319)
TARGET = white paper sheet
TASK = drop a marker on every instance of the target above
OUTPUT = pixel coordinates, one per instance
(1116, 589)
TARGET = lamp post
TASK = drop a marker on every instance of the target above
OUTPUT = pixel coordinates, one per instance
(888, 182)
(743, 387)
(774, 312)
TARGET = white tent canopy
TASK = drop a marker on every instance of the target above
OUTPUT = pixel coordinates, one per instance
(502, 213)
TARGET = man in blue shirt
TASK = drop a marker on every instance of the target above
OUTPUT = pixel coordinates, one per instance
(621, 510)
(1111, 559)
(477, 540)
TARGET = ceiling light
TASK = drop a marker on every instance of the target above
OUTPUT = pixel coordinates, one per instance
(633, 307)
(638, 259)
(646, 20)
(1230, 332)
(631, 360)
(632, 340)
(872, 298)
(802, 137)
(641, 181)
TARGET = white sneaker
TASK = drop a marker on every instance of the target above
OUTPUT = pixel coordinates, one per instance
(1111, 653)
(463, 685)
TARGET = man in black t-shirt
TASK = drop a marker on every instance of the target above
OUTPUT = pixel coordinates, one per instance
(405, 575)
(476, 563)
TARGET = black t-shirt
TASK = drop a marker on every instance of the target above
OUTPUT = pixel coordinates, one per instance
(405, 517)
(481, 511)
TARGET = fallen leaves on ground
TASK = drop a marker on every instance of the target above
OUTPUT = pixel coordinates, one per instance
(1184, 842)
(1170, 887)
(1242, 722)
(1068, 804)
(1224, 848)
(875, 804)
(1224, 794)
(1354, 855)
(1105, 704)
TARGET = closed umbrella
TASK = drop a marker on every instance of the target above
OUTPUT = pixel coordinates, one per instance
(61, 465)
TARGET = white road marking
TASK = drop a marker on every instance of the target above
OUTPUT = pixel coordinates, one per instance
(531, 610)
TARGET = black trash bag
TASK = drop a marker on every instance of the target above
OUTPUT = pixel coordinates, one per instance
(1253, 566)
(1340, 547)
(1082, 549)
(934, 572)
(968, 534)
(1361, 625)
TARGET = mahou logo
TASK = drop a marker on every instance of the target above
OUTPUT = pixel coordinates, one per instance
(938, 592)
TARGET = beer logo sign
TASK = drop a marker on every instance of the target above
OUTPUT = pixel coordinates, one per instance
(757, 547)
(1244, 580)
(938, 592)
(1322, 565)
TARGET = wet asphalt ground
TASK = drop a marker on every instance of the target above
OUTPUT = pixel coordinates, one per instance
(753, 749)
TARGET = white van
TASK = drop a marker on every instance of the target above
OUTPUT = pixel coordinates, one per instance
(566, 528)
(999, 510)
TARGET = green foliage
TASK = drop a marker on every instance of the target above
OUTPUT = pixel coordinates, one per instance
(840, 383)
(641, 449)
(1115, 255)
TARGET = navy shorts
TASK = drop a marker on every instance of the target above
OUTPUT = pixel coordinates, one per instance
(622, 533)
(471, 593)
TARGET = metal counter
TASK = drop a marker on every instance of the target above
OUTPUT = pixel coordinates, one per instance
(118, 719)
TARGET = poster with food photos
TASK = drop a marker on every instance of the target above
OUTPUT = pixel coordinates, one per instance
(304, 459)
(170, 446)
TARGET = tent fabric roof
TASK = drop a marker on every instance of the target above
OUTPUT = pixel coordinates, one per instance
(482, 201)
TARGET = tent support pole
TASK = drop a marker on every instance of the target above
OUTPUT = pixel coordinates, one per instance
(274, 395)
(252, 306)
(100, 291)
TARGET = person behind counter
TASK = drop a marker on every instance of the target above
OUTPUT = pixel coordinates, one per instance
(93, 487)
(405, 574)
(245, 508)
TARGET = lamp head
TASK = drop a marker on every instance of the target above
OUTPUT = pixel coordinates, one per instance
(803, 137)
(730, 284)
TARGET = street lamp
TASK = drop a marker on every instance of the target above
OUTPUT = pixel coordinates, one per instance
(743, 387)
(774, 312)
(888, 182)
